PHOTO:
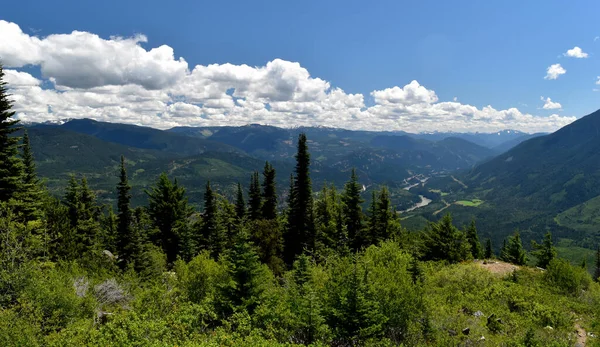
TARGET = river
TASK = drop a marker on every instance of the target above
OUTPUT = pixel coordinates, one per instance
(424, 202)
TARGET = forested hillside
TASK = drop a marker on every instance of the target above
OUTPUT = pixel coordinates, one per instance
(248, 270)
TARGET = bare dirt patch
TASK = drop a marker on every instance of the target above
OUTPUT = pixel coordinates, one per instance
(497, 267)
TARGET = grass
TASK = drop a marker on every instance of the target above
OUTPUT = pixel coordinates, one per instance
(470, 203)
(438, 191)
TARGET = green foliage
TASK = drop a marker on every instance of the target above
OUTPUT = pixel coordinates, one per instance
(513, 251)
(255, 198)
(269, 193)
(489, 253)
(473, 239)
(443, 241)
(545, 252)
(129, 241)
(567, 278)
(352, 210)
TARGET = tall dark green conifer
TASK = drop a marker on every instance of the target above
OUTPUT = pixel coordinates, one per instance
(597, 272)
(72, 200)
(129, 242)
(352, 207)
(473, 239)
(370, 235)
(269, 194)
(240, 204)
(11, 166)
(513, 251)
(489, 253)
(544, 252)
(212, 234)
(300, 235)
(254, 198)
(169, 210)
(31, 191)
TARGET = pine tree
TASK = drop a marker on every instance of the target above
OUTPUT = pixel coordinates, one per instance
(72, 200)
(473, 239)
(443, 241)
(513, 251)
(129, 242)
(31, 193)
(213, 237)
(300, 235)
(254, 198)
(371, 232)
(11, 166)
(352, 210)
(88, 226)
(240, 204)
(269, 197)
(169, 211)
(489, 253)
(387, 220)
(89, 209)
(544, 252)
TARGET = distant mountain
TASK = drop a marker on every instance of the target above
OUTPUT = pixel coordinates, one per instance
(505, 146)
(142, 137)
(489, 140)
(531, 185)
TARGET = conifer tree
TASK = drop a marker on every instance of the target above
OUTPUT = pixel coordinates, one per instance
(386, 217)
(269, 194)
(11, 166)
(371, 232)
(443, 241)
(72, 200)
(473, 239)
(513, 251)
(300, 235)
(240, 204)
(489, 253)
(129, 242)
(352, 210)
(213, 237)
(254, 198)
(31, 192)
(544, 252)
(109, 230)
(169, 211)
(88, 227)
(87, 199)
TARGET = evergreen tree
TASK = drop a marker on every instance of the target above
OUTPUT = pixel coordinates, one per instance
(88, 209)
(87, 226)
(269, 197)
(387, 220)
(489, 253)
(72, 200)
(212, 234)
(31, 192)
(443, 241)
(513, 251)
(109, 235)
(544, 252)
(240, 204)
(352, 210)
(129, 242)
(169, 210)
(371, 232)
(245, 271)
(473, 239)
(11, 167)
(254, 198)
(300, 235)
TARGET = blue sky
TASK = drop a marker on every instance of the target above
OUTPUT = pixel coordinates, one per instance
(481, 52)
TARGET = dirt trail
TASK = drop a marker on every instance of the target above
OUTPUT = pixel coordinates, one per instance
(581, 336)
(443, 208)
(498, 267)
(459, 182)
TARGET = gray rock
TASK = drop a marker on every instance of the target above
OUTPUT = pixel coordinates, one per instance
(478, 314)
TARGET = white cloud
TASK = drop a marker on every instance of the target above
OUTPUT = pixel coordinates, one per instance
(596, 38)
(598, 81)
(575, 52)
(550, 105)
(554, 71)
(118, 80)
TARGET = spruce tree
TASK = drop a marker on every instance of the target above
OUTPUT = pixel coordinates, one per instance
(443, 241)
(386, 217)
(269, 193)
(31, 191)
(473, 239)
(213, 237)
(240, 204)
(11, 166)
(169, 211)
(489, 253)
(254, 198)
(88, 226)
(300, 235)
(352, 210)
(513, 251)
(371, 232)
(544, 252)
(129, 242)
(72, 200)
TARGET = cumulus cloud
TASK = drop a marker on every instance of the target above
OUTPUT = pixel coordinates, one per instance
(550, 105)
(118, 80)
(554, 71)
(575, 52)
